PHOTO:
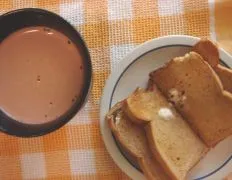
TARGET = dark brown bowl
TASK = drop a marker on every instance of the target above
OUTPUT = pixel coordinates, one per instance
(18, 19)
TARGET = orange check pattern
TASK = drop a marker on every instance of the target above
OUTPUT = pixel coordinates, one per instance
(111, 29)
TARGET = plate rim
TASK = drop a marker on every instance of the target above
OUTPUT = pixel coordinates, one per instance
(154, 44)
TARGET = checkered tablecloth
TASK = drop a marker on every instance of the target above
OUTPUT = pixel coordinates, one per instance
(111, 29)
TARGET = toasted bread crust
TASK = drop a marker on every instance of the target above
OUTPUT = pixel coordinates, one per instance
(150, 169)
(133, 110)
(225, 76)
(132, 116)
(119, 139)
(208, 50)
(140, 113)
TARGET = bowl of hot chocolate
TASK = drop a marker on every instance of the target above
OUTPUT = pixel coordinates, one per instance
(45, 72)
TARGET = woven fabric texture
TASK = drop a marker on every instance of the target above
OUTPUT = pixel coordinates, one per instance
(111, 29)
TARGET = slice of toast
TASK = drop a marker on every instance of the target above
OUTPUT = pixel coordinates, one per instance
(138, 112)
(225, 75)
(209, 51)
(171, 139)
(196, 91)
(133, 139)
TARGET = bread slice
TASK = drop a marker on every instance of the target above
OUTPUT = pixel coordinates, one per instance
(171, 139)
(225, 75)
(133, 139)
(140, 112)
(194, 88)
(209, 51)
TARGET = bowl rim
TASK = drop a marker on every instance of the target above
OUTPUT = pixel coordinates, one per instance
(114, 77)
(86, 88)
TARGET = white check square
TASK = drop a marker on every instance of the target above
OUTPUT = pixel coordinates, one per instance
(118, 52)
(119, 10)
(82, 161)
(73, 12)
(170, 7)
(33, 166)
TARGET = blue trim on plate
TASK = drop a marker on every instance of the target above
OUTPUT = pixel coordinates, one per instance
(216, 170)
(110, 105)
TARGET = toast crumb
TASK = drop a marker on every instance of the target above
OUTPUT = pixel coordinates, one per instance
(176, 97)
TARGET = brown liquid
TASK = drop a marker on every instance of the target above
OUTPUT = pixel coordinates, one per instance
(41, 75)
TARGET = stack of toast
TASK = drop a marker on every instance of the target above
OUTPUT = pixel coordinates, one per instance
(185, 110)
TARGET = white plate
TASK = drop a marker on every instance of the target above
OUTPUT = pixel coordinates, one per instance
(133, 72)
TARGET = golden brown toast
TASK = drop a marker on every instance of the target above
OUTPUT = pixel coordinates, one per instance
(225, 75)
(196, 91)
(133, 139)
(209, 51)
(138, 112)
(171, 139)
